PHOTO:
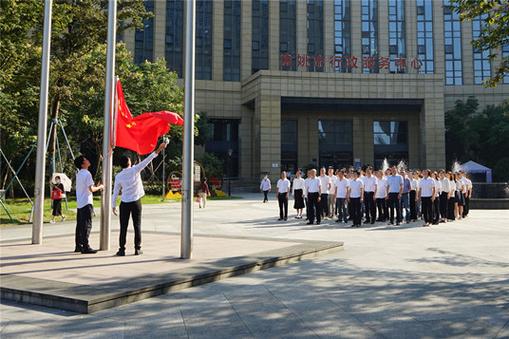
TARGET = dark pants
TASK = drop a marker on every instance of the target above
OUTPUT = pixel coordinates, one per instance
(341, 209)
(314, 207)
(413, 205)
(307, 207)
(83, 226)
(443, 205)
(405, 205)
(126, 210)
(350, 210)
(282, 199)
(369, 206)
(466, 208)
(356, 210)
(450, 208)
(324, 204)
(436, 210)
(265, 196)
(394, 205)
(381, 206)
(427, 209)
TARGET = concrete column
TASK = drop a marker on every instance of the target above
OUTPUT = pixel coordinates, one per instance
(358, 138)
(328, 32)
(438, 37)
(433, 128)
(356, 35)
(246, 142)
(217, 39)
(270, 134)
(159, 29)
(467, 53)
(246, 38)
(274, 35)
(383, 30)
(302, 32)
(411, 32)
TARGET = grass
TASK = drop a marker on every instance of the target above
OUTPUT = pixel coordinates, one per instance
(20, 208)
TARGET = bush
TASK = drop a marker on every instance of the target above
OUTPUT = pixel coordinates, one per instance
(212, 166)
(501, 170)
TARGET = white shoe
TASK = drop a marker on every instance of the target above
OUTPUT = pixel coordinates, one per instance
(52, 221)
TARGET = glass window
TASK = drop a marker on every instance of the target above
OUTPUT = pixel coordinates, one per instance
(452, 46)
(203, 40)
(482, 65)
(390, 139)
(425, 35)
(225, 136)
(231, 43)
(369, 36)
(342, 34)
(144, 39)
(289, 142)
(335, 143)
(260, 35)
(315, 35)
(287, 35)
(174, 45)
(397, 46)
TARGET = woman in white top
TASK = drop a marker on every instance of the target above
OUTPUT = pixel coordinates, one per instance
(436, 201)
(298, 193)
(452, 205)
(460, 195)
(265, 187)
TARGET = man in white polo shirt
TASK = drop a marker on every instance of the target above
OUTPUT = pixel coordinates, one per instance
(369, 196)
(341, 184)
(282, 191)
(325, 181)
(313, 190)
(395, 184)
(355, 197)
(427, 196)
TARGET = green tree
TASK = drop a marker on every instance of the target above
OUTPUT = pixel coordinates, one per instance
(494, 34)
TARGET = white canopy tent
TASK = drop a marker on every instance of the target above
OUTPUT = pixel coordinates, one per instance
(475, 168)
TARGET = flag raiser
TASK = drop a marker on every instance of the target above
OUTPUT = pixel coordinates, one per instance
(140, 134)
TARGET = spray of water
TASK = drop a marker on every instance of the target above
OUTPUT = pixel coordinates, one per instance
(456, 167)
(385, 165)
(401, 166)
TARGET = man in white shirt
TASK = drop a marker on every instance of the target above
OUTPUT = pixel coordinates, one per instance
(325, 181)
(313, 190)
(265, 188)
(332, 193)
(427, 196)
(282, 191)
(128, 183)
(355, 197)
(381, 196)
(369, 195)
(341, 184)
(468, 193)
(395, 185)
(85, 188)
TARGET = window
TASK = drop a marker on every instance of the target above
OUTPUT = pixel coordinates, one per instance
(260, 36)
(315, 35)
(342, 34)
(144, 39)
(289, 142)
(397, 47)
(174, 35)
(452, 46)
(482, 65)
(390, 139)
(231, 42)
(505, 54)
(369, 36)
(425, 51)
(287, 35)
(203, 40)
(335, 143)
(225, 136)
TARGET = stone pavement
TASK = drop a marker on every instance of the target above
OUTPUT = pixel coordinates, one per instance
(450, 280)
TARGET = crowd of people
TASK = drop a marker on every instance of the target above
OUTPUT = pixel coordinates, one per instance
(367, 196)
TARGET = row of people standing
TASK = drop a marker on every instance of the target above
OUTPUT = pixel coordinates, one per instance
(378, 196)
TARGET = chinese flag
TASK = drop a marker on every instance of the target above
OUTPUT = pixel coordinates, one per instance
(140, 134)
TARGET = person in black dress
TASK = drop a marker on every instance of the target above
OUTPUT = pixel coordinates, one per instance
(298, 193)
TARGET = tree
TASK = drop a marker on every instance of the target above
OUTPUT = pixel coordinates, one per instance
(494, 33)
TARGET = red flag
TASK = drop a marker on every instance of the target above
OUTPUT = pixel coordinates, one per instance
(140, 134)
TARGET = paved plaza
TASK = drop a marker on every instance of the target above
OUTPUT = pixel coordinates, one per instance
(450, 280)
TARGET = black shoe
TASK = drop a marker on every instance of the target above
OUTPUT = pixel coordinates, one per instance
(397, 224)
(353, 225)
(88, 251)
(372, 222)
(285, 219)
(77, 249)
(309, 223)
(138, 252)
(120, 253)
(318, 223)
(279, 219)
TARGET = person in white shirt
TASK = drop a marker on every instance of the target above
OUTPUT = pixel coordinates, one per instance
(436, 201)
(414, 183)
(427, 195)
(395, 187)
(85, 188)
(313, 190)
(355, 197)
(468, 193)
(265, 187)
(282, 191)
(369, 195)
(445, 188)
(325, 180)
(130, 187)
(452, 204)
(298, 193)
(332, 193)
(460, 194)
(341, 184)
(381, 196)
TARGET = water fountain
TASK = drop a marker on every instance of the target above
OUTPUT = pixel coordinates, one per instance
(401, 166)
(456, 167)
(385, 165)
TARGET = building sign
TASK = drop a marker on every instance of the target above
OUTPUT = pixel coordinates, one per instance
(335, 62)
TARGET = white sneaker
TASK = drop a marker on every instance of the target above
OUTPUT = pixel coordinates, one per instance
(52, 221)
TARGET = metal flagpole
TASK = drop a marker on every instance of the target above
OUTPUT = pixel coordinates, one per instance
(186, 235)
(108, 115)
(40, 169)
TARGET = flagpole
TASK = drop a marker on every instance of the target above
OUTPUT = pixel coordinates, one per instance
(108, 112)
(186, 236)
(40, 169)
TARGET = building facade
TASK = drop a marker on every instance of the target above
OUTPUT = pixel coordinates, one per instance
(290, 83)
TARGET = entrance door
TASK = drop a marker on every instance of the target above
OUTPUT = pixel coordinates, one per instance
(335, 143)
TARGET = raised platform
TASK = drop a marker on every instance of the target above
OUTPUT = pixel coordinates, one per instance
(51, 275)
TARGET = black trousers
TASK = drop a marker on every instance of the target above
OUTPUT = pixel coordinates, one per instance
(413, 205)
(314, 207)
(369, 206)
(443, 205)
(324, 204)
(394, 205)
(381, 207)
(466, 208)
(83, 226)
(436, 210)
(282, 199)
(126, 210)
(356, 210)
(265, 196)
(427, 209)
(450, 208)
